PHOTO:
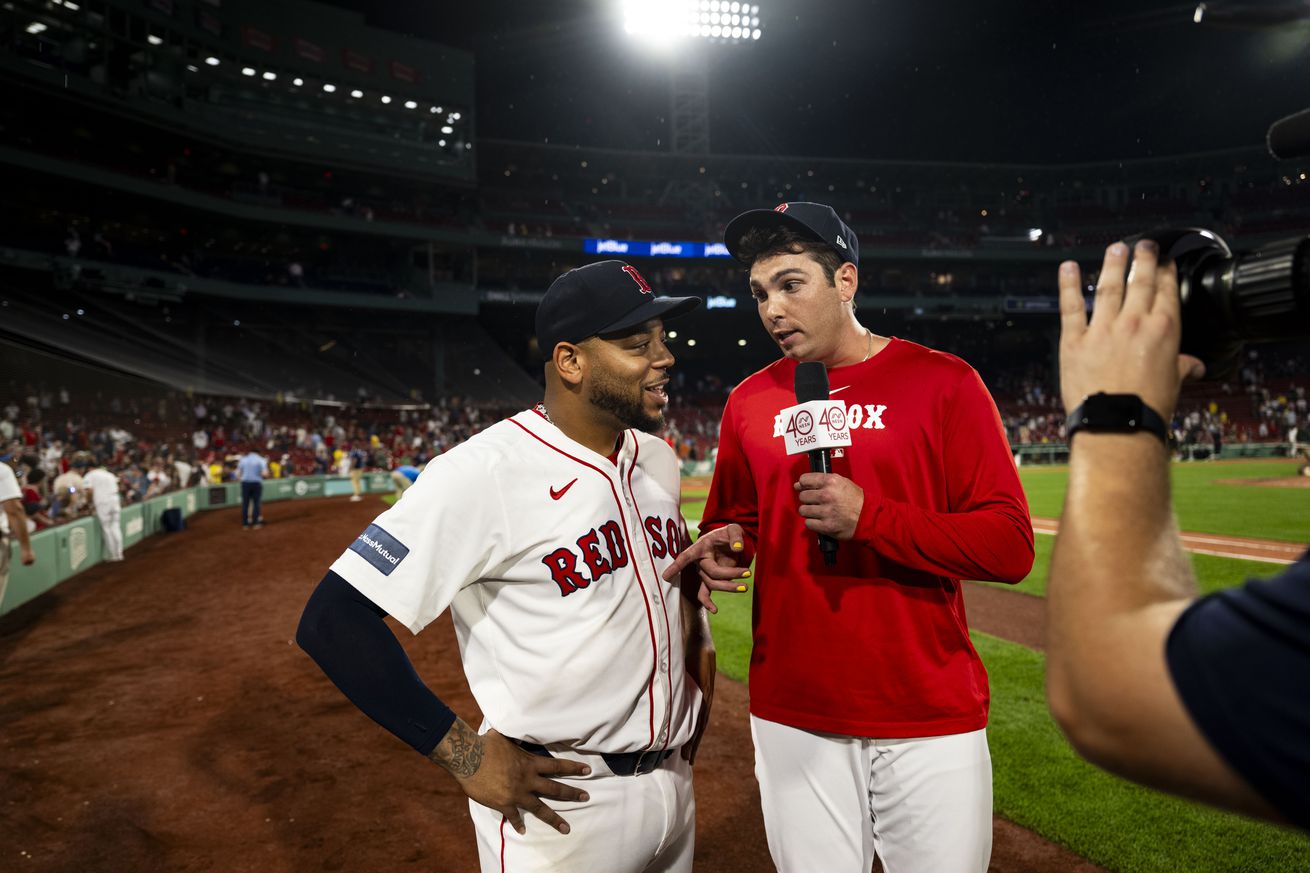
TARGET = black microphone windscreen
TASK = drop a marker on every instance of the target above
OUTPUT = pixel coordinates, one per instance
(1289, 137)
(811, 381)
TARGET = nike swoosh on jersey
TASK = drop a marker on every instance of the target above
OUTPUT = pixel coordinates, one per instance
(556, 495)
(835, 390)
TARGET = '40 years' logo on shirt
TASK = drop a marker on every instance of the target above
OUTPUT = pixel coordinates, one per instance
(866, 416)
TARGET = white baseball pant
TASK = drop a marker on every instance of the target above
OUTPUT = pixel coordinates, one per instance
(112, 529)
(5, 551)
(630, 824)
(832, 802)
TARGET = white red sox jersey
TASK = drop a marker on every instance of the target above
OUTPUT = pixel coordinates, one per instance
(549, 557)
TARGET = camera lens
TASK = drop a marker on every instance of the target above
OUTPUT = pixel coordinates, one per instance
(1265, 293)
(1228, 299)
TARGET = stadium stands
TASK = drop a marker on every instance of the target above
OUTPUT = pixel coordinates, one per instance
(269, 239)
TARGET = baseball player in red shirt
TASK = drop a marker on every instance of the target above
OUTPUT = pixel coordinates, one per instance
(868, 701)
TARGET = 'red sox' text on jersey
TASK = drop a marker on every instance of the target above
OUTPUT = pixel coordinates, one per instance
(567, 631)
(887, 649)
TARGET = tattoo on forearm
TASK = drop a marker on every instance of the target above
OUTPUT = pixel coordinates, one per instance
(460, 751)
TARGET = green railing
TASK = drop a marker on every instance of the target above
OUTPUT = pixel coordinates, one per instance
(65, 550)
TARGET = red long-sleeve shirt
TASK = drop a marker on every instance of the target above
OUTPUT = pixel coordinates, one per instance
(877, 645)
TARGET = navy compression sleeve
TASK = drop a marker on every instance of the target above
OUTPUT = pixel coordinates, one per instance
(343, 631)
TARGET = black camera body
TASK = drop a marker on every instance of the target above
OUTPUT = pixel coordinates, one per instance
(1228, 299)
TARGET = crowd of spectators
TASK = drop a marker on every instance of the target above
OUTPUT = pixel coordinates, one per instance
(168, 441)
(1264, 402)
(524, 193)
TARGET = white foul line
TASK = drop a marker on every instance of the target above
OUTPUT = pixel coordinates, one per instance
(1051, 530)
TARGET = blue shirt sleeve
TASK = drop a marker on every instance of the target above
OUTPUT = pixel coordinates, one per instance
(343, 631)
(1240, 660)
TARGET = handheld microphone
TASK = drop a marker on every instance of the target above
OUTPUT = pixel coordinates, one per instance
(812, 384)
(1289, 137)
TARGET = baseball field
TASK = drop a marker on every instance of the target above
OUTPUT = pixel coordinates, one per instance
(155, 715)
(1233, 509)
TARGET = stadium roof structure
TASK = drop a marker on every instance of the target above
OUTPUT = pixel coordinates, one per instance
(955, 80)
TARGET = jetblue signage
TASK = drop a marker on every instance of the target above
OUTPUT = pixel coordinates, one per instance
(657, 249)
(1032, 304)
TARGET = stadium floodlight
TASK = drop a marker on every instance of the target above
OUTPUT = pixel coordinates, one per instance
(329, 87)
(297, 81)
(212, 61)
(410, 104)
(154, 40)
(386, 98)
(270, 76)
(71, 7)
(192, 68)
(663, 22)
(447, 130)
(442, 143)
(434, 109)
(247, 71)
(357, 93)
(455, 116)
(36, 27)
(658, 22)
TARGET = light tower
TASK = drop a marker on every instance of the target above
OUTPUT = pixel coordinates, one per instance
(685, 26)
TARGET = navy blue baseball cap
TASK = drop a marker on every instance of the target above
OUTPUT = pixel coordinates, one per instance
(604, 297)
(814, 220)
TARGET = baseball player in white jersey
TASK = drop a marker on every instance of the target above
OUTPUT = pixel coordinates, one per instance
(13, 523)
(102, 485)
(546, 535)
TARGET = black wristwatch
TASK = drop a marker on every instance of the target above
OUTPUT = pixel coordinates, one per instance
(1115, 413)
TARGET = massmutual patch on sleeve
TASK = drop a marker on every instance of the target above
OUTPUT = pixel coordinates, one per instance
(380, 549)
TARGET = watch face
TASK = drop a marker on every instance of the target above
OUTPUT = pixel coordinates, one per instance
(1113, 411)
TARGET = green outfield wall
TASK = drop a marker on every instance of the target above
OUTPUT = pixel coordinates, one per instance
(65, 550)
(1058, 453)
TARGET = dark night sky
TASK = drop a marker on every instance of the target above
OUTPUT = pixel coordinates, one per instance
(954, 80)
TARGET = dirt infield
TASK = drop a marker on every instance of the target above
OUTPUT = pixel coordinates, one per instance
(1271, 551)
(155, 715)
(1010, 615)
(1302, 481)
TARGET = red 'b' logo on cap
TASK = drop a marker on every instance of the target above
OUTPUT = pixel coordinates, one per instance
(781, 207)
(637, 277)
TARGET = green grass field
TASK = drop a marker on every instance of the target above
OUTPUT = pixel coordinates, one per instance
(1212, 571)
(1039, 782)
(1202, 503)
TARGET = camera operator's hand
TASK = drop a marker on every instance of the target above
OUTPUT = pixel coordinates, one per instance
(1119, 577)
(1131, 344)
